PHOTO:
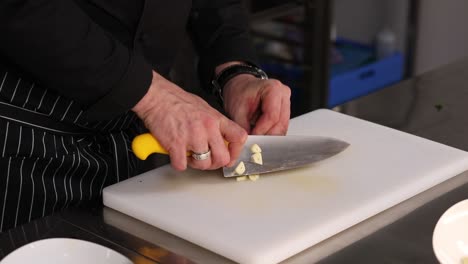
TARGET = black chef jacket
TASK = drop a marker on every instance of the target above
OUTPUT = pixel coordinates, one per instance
(100, 53)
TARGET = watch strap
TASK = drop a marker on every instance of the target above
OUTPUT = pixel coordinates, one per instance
(230, 72)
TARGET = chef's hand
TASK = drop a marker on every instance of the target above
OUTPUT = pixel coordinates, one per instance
(184, 122)
(261, 107)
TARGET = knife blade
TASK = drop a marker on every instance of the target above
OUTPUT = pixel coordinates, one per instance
(278, 152)
(285, 152)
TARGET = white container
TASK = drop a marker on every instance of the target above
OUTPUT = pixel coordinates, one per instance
(450, 238)
(385, 43)
(64, 251)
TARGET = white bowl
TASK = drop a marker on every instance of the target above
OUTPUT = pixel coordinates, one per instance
(450, 238)
(64, 251)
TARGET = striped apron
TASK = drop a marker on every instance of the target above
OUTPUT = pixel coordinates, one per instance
(51, 158)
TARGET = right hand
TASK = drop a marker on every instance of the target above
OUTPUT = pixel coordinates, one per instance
(183, 122)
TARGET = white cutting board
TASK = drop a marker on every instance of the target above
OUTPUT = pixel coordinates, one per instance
(286, 212)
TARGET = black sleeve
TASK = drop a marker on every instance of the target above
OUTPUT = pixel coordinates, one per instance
(63, 49)
(220, 30)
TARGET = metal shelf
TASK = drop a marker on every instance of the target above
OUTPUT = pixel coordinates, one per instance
(315, 27)
(277, 11)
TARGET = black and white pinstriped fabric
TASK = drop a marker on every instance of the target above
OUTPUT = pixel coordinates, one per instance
(50, 157)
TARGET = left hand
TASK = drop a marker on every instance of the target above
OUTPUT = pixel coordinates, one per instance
(261, 107)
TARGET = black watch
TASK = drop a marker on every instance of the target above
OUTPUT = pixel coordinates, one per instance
(230, 72)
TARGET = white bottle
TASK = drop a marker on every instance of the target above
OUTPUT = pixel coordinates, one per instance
(386, 43)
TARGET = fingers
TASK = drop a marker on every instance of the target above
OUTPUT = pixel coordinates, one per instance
(281, 128)
(275, 108)
(241, 117)
(270, 114)
(178, 157)
(236, 136)
(219, 152)
(184, 122)
(214, 142)
(198, 144)
(244, 122)
(211, 135)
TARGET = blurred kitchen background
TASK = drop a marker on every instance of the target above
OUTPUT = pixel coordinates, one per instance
(331, 52)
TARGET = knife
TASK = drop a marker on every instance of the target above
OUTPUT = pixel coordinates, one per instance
(277, 152)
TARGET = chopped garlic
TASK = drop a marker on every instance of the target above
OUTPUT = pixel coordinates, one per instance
(241, 178)
(255, 148)
(254, 177)
(257, 158)
(240, 169)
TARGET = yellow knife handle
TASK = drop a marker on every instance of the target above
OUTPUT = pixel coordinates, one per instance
(145, 144)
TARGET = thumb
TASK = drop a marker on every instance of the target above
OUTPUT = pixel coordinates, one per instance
(243, 122)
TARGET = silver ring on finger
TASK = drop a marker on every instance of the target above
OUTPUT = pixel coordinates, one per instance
(201, 156)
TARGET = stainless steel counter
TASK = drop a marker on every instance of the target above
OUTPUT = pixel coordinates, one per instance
(433, 106)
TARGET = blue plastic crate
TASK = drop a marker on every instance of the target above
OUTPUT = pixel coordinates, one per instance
(362, 80)
(358, 75)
